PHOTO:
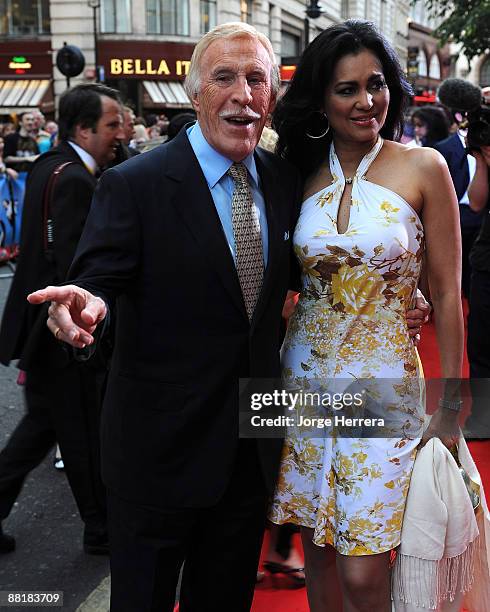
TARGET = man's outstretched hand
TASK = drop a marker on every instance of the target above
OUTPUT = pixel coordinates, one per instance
(74, 313)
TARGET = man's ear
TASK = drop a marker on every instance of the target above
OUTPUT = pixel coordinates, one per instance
(195, 102)
(272, 104)
(82, 133)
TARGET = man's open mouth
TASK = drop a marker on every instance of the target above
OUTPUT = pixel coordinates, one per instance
(239, 120)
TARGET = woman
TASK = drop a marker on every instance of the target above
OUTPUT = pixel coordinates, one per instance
(370, 205)
(430, 125)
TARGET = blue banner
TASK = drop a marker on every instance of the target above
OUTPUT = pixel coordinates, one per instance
(11, 204)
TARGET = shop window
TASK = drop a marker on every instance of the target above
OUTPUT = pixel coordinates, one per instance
(208, 15)
(115, 16)
(24, 17)
(290, 45)
(246, 10)
(485, 73)
(435, 67)
(167, 17)
(422, 60)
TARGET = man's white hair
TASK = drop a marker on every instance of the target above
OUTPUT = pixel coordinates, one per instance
(234, 29)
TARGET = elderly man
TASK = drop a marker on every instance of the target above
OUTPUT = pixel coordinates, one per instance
(193, 240)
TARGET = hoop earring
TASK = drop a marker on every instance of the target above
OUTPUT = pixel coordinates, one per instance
(324, 133)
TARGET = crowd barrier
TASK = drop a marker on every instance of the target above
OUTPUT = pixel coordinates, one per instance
(11, 204)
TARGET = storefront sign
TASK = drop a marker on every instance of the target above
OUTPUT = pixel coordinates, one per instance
(147, 67)
(19, 64)
(32, 59)
(145, 60)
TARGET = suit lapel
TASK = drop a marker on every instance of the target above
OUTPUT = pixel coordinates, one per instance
(270, 193)
(194, 203)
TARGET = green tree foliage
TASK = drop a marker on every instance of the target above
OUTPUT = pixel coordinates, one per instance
(463, 21)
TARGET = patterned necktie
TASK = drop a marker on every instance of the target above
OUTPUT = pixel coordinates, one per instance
(248, 240)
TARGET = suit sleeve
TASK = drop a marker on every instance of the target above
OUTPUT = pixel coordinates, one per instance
(70, 206)
(108, 255)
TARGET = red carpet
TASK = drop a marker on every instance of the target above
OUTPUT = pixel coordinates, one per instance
(277, 594)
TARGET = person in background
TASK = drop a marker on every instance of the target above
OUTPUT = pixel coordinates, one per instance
(430, 125)
(52, 129)
(43, 138)
(178, 122)
(478, 424)
(129, 119)
(125, 150)
(21, 148)
(63, 396)
(7, 128)
(462, 169)
(3, 168)
(140, 136)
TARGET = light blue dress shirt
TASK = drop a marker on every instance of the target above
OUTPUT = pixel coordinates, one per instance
(215, 167)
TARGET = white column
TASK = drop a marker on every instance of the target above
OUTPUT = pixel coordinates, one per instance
(228, 10)
(275, 30)
(71, 22)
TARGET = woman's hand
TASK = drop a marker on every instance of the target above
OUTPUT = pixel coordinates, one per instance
(444, 424)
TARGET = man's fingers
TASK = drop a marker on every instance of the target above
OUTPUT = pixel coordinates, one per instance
(73, 335)
(50, 294)
(61, 324)
(94, 312)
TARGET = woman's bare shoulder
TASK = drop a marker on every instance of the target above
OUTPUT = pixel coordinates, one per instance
(417, 158)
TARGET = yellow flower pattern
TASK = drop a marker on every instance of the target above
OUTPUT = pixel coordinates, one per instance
(349, 325)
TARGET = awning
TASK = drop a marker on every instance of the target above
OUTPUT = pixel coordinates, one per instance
(169, 93)
(19, 95)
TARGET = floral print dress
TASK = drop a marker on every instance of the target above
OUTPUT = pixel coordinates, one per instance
(349, 325)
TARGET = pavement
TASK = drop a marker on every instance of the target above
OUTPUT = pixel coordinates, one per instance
(45, 522)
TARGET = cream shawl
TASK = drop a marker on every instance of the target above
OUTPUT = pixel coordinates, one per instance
(443, 559)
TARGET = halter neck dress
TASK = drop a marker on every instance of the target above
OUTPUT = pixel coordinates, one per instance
(349, 326)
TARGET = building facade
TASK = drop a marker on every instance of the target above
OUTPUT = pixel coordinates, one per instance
(143, 47)
(428, 63)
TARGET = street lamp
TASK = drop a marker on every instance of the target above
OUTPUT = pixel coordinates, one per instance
(313, 11)
(94, 5)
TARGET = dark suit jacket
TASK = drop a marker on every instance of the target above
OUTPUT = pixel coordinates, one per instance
(23, 334)
(154, 241)
(455, 155)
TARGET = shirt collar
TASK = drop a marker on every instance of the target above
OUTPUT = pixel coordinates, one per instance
(213, 164)
(87, 159)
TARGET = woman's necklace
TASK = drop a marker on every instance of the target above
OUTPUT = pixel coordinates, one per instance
(348, 180)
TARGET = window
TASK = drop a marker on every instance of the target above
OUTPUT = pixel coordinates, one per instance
(290, 45)
(167, 17)
(115, 16)
(208, 15)
(422, 60)
(24, 17)
(246, 10)
(485, 73)
(435, 67)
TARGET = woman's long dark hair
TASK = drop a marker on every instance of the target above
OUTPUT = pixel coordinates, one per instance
(297, 109)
